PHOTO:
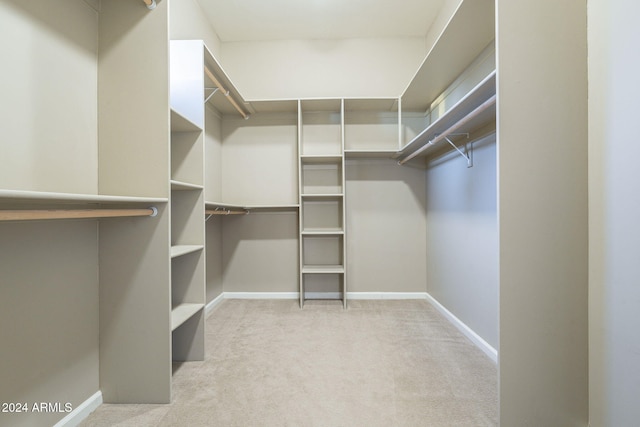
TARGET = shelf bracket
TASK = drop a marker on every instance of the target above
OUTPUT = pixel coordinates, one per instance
(215, 89)
(467, 153)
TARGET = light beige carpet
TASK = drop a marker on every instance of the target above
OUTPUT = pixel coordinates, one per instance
(378, 363)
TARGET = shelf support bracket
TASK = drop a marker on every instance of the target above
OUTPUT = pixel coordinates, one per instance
(467, 153)
(215, 89)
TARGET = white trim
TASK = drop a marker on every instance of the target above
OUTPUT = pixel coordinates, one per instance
(386, 295)
(320, 295)
(81, 412)
(212, 304)
(261, 295)
(467, 331)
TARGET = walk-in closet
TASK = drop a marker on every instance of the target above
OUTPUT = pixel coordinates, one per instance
(156, 172)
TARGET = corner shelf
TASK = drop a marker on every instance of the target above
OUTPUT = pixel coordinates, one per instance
(469, 31)
(482, 92)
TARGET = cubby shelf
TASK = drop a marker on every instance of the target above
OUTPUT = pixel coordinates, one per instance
(322, 232)
(323, 269)
(179, 185)
(179, 123)
(318, 158)
(183, 312)
(321, 196)
(179, 250)
(187, 87)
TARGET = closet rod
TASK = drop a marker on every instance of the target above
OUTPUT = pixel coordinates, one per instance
(225, 92)
(151, 4)
(38, 214)
(453, 128)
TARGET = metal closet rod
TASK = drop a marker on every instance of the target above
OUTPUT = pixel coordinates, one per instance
(39, 214)
(457, 125)
(225, 92)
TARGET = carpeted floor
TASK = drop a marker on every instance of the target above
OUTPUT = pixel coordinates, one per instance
(378, 363)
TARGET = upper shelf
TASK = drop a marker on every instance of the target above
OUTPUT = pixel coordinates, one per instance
(468, 32)
(8, 197)
(250, 208)
(459, 116)
(225, 103)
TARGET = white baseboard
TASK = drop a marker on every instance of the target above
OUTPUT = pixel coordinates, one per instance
(386, 295)
(323, 295)
(261, 295)
(467, 331)
(81, 412)
(212, 304)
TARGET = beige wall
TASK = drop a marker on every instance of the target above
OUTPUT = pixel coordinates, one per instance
(48, 113)
(462, 237)
(614, 294)
(542, 199)
(49, 316)
(386, 227)
(322, 68)
(188, 23)
(260, 252)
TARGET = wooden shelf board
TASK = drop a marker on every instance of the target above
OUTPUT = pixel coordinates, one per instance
(183, 312)
(179, 250)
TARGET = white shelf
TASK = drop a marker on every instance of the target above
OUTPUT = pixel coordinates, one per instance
(469, 31)
(183, 312)
(475, 97)
(179, 250)
(322, 269)
(180, 185)
(319, 196)
(179, 123)
(317, 158)
(274, 207)
(371, 154)
(45, 197)
(322, 232)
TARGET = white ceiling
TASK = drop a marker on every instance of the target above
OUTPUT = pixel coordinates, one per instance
(251, 20)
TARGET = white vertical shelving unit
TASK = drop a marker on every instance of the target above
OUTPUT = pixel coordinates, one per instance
(322, 204)
(187, 89)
